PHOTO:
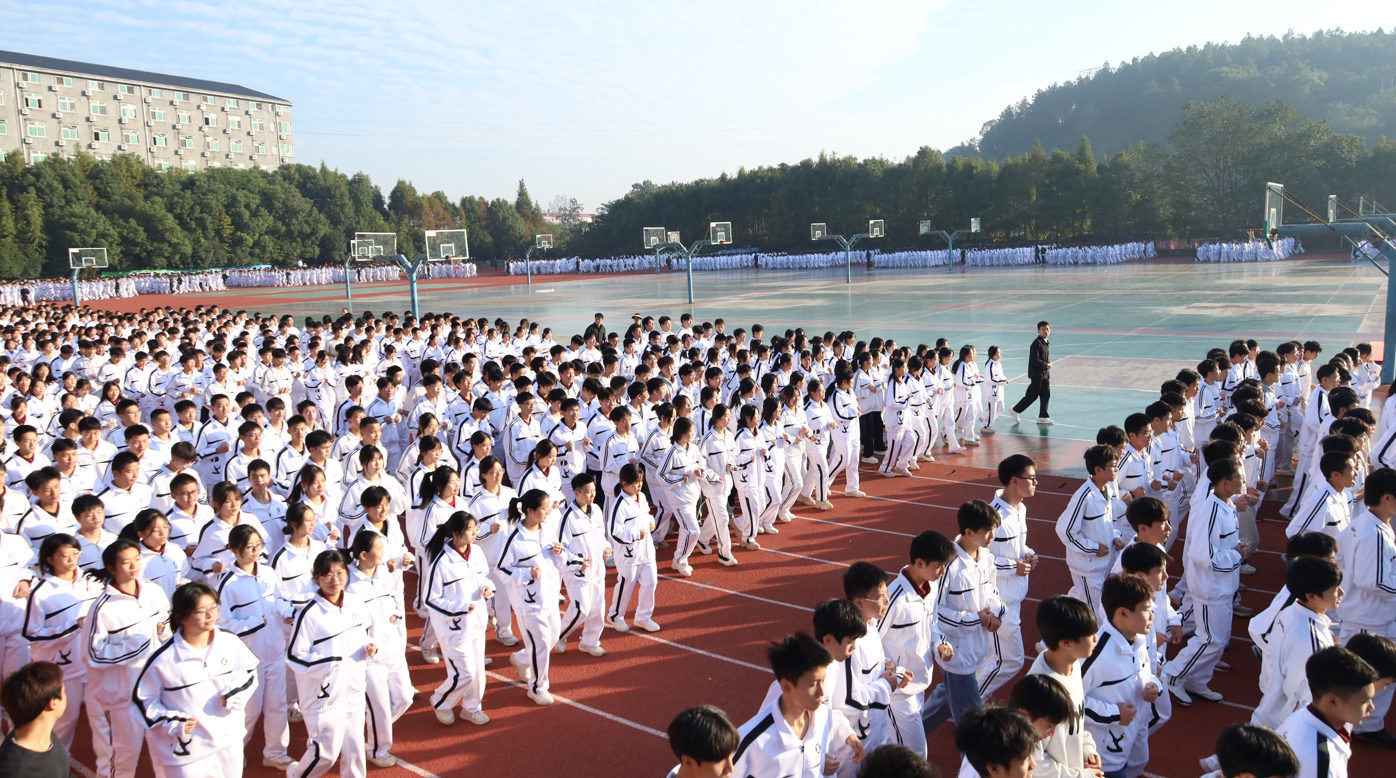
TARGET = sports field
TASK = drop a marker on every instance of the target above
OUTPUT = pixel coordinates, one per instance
(1117, 332)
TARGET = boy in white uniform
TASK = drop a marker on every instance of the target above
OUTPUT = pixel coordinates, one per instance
(1368, 547)
(1013, 561)
(1300, 630)
(911, 635)
(1068, 627)
(869, 673)
(1087, 528)
(1341, 685)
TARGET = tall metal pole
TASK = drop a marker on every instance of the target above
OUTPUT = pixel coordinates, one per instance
(688, 260)
(348, 290)
(847, 260)
(412, 269)
(77, 271)
(528, 266)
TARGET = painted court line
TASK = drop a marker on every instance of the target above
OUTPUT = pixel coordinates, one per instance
(603, 714)
(702, 585)
(700, 651)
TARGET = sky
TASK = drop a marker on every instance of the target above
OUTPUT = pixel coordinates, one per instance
(584, 100)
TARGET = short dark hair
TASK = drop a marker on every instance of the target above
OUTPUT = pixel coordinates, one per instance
(1013, 466)
(1140, 558)
(703, 734)
(1311, 544)
(1097, 457)
(1334, 462)
(1146, 511)
(1041, 696)
(29, 690)
(862, 578)
(1063, 617)
(1136, 423)
(977, 515)
(796, 655)
(994, 736)
(1380, 482)
(1378, 651)
(1336, 670)
(186, 599)
(1251, 748)
(839, 619)
(931, 546)
(1126, 591)
(896, 761)
(1311, 575)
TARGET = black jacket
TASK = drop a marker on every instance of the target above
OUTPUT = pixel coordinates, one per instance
(1039, 355)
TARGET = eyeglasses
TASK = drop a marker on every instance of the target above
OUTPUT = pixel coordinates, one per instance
(1029, 478)
(879, 599)
(203, 612)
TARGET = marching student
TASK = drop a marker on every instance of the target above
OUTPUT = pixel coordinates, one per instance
(719, 449)
(969, 611)
(193, 690)
(911, 634)
(1014, 560)
(1250, 750)
(1118, 677)
(703, 739)
(458, 585)
(900, 423)
(998, 384)
(212, 557)
(582, 532)
(1368, 548)
(251, 607)
(682, 469)
(1326, 509)
(293, 564)
(58, 603)
(845, 434)
(1068, 627)
(532, 565)
(1087, 528)
(997, 742)
(750, 470)
(126, 624)
(816, 477)
(491, 506)
(1341, 685)
(331, 643)
(162, 563)
(633, 550)
(869, 678)
(1302, 628)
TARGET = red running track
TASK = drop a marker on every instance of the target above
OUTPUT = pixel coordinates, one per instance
(612, 711)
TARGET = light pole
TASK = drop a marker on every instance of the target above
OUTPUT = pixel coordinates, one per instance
(820, 231)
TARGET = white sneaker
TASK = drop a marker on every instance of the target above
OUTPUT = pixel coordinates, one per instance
(1015, 415)
(726, 561)
(478, 718)
(770, 531)
(446, 717)
(854, 493)
(869, 460)
(824, 505)
(618, 625)
(432, 656)
(662, 544)
(648, 625)
(1180, 694)
(682, 569)
(971, 442)
(926, 458)
(542, 698)
(294, 716)
(888, 473)
(560, 647)
(805, 500)
(1045, 420)
(902, 471)
(786, 516)
(912, 465)
(506, 639)
(383, 761)
(1206, 694)
(705, 549)
(279, 763)
(1247, 570)
(750, 545)
(593, 650)
(525, 672)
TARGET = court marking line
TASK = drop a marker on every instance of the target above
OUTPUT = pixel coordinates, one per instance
(583, 707)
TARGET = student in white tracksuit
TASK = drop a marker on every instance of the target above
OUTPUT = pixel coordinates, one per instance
(17, 560)
(773, 476)
(680, 470)
(720, 451)
(1014, 559)
(438, 499)
(900, 422)
(582, 532)
(192, 692)
(1368, 546)
(293, 563)
(628, 517)
(998, 384)
(58, 602)
(1087, 529)
(794, 425)
(749, 472)
(532, 564)
(125, 626)
(390, 691)
(331, 642)
(845, 434)
(969, 397)
(491, 506)
(819, 419)
(252, 609)
(458, 586)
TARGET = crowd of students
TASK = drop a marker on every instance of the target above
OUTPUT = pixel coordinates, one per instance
(1249, 251)
(213, 522)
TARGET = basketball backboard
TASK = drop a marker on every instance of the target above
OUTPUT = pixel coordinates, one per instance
(1274, 214)
(974, 225)
(85, 258)
(368, 246)
(673, 236)
(720, 232)
(654, 237)
(1332, 208)
(446, 244)
(924, 228)
(818, 230)
(544, 241)
(875, 228)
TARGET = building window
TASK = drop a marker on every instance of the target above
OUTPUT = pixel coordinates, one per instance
(286, 150)
(37, 157)
(29, 78)
(259, 148)
(254, 105)
(133, 138)
(235, 145)
(70, 132)
(160, 140)
(184, 117)
(34, 101)
(128, 111)
(67, 104)
(190, 167)
(4, 129)
(186, 141)
(234, 122)
(37, 130)
(164, 166)
(230, 102)
(181, 97)
(258, 125)
(208, 100)
(212, 144)
(99, 108)
(158, 114)
(2, 98)
(123, 89)
(157, 93)
(210, 120)
(100, 135)
(63, 80)
(96, 86)
(283, 127)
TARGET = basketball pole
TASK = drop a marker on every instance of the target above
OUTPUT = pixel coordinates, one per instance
(348, 290)
(77, 271)
(847, 246)
(412, 269)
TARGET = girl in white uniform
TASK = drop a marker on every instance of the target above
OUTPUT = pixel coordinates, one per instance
(458, 586)
(53, 622)
(720, 450)
(313, 490)
(818, 419)
(293, 562)
(162, 562)
(251, 607)
(682, 469)
(846, 434)
(628, 516)
(192, 691)
(438, 499)
(127, 623)
(491, 507)
(749, 473)
(331, 643)
(582, 531)
(532, 565)
(998, 384)
(390, 690)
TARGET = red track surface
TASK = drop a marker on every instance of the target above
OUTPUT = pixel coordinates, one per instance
(715, 627)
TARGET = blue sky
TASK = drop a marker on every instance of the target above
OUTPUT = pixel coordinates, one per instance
(585, 99)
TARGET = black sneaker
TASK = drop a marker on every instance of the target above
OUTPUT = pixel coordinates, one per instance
(1379, 738)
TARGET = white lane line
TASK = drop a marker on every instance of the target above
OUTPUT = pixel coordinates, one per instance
(889, 532)
(702, 585)
(603, 714)
(710, 654)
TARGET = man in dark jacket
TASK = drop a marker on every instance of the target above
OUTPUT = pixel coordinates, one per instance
(597, 328)
(1039, 376)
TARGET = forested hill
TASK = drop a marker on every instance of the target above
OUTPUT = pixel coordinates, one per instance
(1348, 79)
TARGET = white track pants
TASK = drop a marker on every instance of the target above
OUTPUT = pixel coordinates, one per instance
(390, 694)
(816, 475)
(465, 676)
(333, 734)
(117, 736)
(904, 713)
(223, 764)
(586, 609)
(687, 517)
(628, 579)
(843, 458)
(716, 523)
(540, 633)
(1194, 665)
(1005, 657)
(269, 701)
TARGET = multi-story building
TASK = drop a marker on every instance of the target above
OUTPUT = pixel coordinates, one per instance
(54, 107)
